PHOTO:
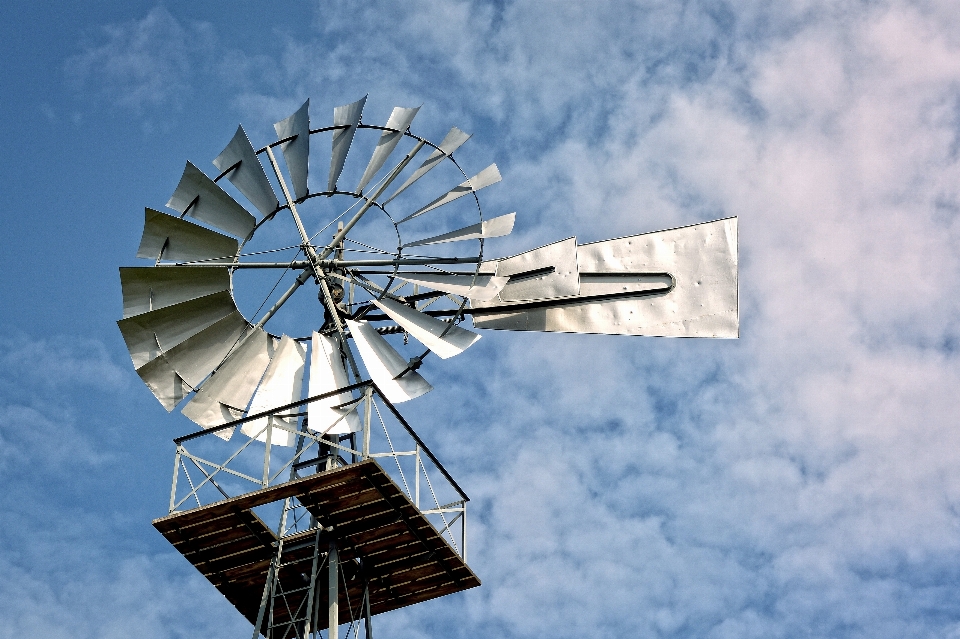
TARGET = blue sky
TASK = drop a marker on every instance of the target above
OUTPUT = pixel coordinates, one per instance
(801, 481)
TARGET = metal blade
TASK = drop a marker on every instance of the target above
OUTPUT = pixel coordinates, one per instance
(385, 365)
(542, 273)
(247, 173)
(327, 374)
(399, 121)
(296, 152)
(479, 287)
(483, 179)
(148, 289)
(702, 302)
(224, 396)
(496, 227)
(200, 197)
(451, 142)
(149, 334)
(164, 382)
(444, 339)
(282, 384)
(170, 238)
(197, 357)
(347, 115)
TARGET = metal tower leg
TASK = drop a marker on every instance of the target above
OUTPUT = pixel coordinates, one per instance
(333, 570)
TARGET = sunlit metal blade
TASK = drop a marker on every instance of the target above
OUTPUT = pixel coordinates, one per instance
(542, 273)
(479, 287)
(497, 227)
(225, 395)
(197, 357)
(451, 142)
(282, 384)
(170, 238)
(399, 121)
(200, 197)
(440, 337)
(149, 334)
(483, 179)
(700, 261)
(327, 374)
(385, 365)
(148, 289)
(164, 382)
(347, 115)
(296, 152)
(247, 173)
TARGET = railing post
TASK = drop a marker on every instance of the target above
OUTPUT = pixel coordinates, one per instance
(366, 422)
(416, 481)
(463, 532)
(266, 453)
(333, 569)
(173, 485)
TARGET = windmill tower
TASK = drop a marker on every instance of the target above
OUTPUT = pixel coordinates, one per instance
(369, 520)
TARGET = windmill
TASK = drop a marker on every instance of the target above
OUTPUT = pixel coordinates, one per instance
(399, 268)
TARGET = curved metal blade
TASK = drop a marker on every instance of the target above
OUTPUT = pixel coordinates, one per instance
(200, 197)
(385, 365)
(164, 382)
(481, 287)
(496, 227)
(440, 337)
(224, 396)
(247, 173)
(170, 238)
(327, 374)
(450, 143)
(296, 152)
(483, 179)
(195, 358)
(148, 288)
(399, 121)
(702, 301)
(347, 115)
(149, 334)
(282, 384)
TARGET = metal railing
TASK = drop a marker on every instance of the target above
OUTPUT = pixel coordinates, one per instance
(260, 462)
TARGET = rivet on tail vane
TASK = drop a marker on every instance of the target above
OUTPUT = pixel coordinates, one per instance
(483, 179)
(399, 122)
(348, 117)
(199, 197)
(451, 142)
(388, 370)
(282, 384)
(166, 237)
(296, 152)
(244, 170)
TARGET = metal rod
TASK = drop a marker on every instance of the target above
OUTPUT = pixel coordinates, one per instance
(331, 247)
(333, 565)
(365, 451)
(302, 264)
(176, 474)
(300, 281)
(313, 581)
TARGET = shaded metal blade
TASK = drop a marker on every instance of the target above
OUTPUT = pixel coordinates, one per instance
(197, 357)
(386, 366)
(542, 273)
(149, 334)
(282, 384)
(496, 227)
(446, 340)
(399, 121)
(476, 287)
(483, 179)
(164, 382)
(247, 173)
(699, 260)
(347, 116)
(327, 374)
(200, 197)
(147, 288)
(450, 143)
(170, 238)
(296, 152)
(225, 395)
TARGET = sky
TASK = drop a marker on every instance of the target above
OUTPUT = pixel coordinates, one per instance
(801, 481)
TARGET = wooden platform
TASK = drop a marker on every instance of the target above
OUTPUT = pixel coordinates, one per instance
(405, 560)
